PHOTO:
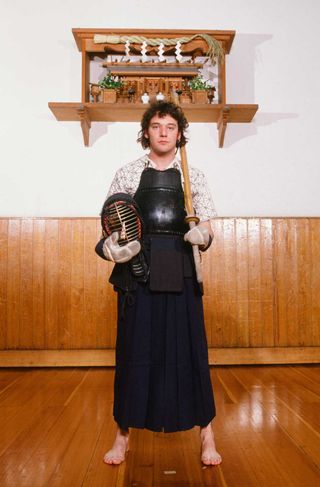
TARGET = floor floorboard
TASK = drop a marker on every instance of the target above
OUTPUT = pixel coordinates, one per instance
(56, 425)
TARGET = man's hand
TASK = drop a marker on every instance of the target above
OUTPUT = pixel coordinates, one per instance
(114, 252)
(199, 235)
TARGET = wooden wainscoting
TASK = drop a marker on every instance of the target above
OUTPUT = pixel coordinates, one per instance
(262, 292)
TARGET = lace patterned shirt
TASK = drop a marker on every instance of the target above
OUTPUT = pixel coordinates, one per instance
(127, 180)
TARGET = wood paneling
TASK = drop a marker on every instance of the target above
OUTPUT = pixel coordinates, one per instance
(262, 280)
(53, 288)
(262, 285)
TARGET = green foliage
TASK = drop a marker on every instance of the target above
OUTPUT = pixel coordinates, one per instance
(198, 83)
(110, 81)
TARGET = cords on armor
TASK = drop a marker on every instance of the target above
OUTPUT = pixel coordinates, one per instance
(128, 299)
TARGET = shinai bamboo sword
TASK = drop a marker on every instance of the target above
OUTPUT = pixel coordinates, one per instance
(191, 218)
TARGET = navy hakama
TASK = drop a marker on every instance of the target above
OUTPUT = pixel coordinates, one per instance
(162, 380)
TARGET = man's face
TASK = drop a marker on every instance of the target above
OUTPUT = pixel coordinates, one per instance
(163, 134)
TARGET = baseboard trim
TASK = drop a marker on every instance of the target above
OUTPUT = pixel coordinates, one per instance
(265, 355)
(106, 358)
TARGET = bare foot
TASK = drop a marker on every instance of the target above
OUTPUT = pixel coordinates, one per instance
(117, 454)
(209, 454)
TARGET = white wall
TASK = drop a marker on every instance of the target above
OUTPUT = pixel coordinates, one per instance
(267, 168)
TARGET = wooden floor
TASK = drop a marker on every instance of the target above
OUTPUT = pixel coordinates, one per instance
(56, 424)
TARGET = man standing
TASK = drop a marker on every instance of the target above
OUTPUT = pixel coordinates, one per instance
(162, 379)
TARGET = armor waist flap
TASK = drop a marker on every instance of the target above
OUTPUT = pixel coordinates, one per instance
(161, 201)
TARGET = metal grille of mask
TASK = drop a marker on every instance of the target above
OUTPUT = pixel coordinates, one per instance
(122, 217)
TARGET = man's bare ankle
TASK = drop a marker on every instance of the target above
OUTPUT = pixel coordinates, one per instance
(205, 429)
(123, 433)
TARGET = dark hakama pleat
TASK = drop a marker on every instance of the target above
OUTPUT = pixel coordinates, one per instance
(162, 380)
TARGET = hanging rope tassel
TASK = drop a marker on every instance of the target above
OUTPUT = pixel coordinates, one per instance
(215, 51)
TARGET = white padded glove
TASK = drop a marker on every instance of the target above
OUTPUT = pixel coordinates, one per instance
(198, 235)
(113, 251)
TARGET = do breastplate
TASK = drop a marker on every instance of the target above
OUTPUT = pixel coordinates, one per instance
(161, 201)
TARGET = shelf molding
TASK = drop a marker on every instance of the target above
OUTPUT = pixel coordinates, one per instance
(222, 123)
(85, 123)
(85, 113)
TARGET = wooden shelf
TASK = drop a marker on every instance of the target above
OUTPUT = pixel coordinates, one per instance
(85, 113)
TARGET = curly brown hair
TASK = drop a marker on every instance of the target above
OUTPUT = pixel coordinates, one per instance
(163, 108)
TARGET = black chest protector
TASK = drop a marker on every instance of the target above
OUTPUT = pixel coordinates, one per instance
(161, 201)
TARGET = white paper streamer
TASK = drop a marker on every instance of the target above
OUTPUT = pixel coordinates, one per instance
(178, 52)
(144, 52)
(160, 52)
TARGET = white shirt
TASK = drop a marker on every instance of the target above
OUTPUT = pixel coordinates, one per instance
(127, 180)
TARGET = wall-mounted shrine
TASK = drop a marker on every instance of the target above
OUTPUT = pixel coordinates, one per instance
(125, 69)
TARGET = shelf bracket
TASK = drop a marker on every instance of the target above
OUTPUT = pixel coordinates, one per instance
(85, 123)
(222, 123)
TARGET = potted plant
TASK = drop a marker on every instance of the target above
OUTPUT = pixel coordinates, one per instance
(199, 89)
(110, 84)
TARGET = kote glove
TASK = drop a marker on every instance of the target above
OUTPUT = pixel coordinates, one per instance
(120, 254)
(199, 235)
